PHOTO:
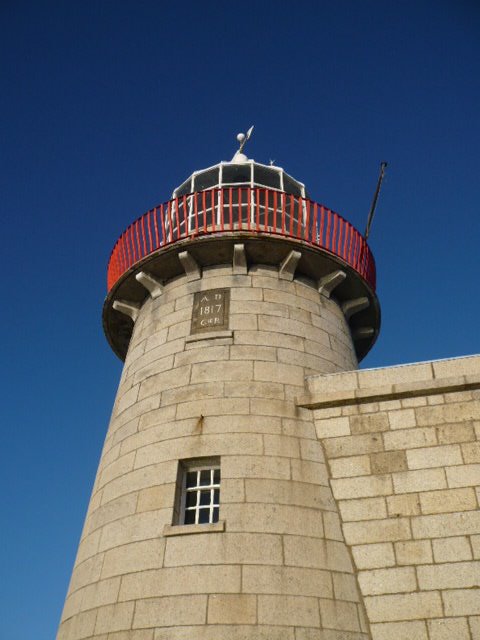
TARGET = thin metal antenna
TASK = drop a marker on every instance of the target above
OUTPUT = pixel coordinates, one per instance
(383, 167)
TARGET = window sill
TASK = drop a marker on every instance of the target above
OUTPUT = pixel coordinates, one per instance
(187, 529)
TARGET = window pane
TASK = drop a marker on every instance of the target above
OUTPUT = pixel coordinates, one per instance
(215, 515)
(183, 189)
(236, 173)
(268, 177)
(205, 497)
(205, 477)
(206, 180)
(192, 479)
(191, 499)
(291, 186)
(190, 517)
(216, 496)
(203, 516)
(216, 476)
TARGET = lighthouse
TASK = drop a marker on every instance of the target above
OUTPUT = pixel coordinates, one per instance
(212, 515)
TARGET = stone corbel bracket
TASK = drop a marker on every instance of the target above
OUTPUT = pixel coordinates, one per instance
(362, 333)
(351, 307)
(329, 282)
(239, 259)
(190, 265)
(151, 284)
(130, 309)
(289, 265)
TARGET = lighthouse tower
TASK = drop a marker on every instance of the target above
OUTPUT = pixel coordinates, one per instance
(211, 515)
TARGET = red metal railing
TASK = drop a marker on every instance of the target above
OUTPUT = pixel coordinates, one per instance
(234, 209)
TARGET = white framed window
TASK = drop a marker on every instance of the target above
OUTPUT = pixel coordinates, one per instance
(199, 491)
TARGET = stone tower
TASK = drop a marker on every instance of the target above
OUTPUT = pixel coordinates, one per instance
(211, 516)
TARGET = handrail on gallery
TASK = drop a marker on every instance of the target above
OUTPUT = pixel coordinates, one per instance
(252, 210)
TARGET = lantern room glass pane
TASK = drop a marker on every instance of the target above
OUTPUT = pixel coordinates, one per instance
(291, 186)
(267, 177)
(206, 180)
(184, 188)
(236, 174)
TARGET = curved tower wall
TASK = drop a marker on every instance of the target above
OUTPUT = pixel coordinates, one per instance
(276, 566)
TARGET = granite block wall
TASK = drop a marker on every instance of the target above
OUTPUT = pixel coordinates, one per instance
(402, 446)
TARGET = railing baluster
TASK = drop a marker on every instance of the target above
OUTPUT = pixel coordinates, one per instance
(132, 244)
(360, 258)
(214, 207)
(322, 225)
(116, 265)
(124, 252)
(346, 240)
(222, 223)
(138, 227)
(204, 206)
(306, 231)
(127, 248)
(155, 227)
(195, 211)
(149, 229)
(350, 242)
(186, 217)
(162, 221)
(334, 241)
(355, 249)
(299, 217)
(292, 214)
(315, 237)
(170, 223)
(144, 242)
(240, 207)
(275, 208)
(177, 219)
(341, 231)
(118, 249)
(327, 231)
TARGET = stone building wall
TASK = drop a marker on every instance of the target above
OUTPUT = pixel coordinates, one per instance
(349, 499)
(403, 454)
(276, 567)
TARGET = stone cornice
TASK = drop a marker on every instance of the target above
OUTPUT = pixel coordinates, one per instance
(318, 399)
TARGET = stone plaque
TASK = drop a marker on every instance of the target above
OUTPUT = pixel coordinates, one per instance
(210, 310)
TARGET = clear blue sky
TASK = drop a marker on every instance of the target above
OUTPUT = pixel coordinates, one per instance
(106, 106)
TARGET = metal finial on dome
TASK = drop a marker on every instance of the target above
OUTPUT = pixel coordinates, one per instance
(242, 139)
